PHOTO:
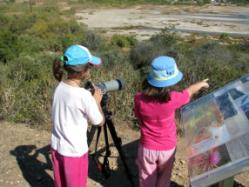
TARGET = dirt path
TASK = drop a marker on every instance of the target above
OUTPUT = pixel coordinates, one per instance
(144, 21)
(25, 159)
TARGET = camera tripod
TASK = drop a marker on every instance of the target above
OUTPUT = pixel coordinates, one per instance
(104, 167)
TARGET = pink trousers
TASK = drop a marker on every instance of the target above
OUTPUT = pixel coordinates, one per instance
(155, 167)
(70, 171)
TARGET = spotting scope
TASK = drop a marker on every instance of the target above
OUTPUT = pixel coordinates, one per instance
(108, 86)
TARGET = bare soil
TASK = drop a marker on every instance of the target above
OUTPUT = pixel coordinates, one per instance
(146, 20)
(25, 159)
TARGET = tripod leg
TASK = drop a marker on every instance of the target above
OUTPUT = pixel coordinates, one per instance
(102, 166)
(90, 135)
(106, 167)
(117, 142)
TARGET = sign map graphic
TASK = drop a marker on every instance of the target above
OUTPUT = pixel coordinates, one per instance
(216, 132)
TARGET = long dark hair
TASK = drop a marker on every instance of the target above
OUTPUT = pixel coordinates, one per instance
(72, 71)
(57, 70)
(155, 93)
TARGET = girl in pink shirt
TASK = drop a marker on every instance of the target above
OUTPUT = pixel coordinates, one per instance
(155, 108)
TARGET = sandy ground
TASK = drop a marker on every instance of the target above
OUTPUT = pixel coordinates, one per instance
(25, 159)
(144, 21)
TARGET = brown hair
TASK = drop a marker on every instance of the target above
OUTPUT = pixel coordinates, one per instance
(57, 70)
(72, 71)
(155, 93)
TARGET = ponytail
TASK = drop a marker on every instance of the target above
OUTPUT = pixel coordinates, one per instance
(57, 70)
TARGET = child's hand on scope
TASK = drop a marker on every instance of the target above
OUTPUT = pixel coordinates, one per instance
(97, 94)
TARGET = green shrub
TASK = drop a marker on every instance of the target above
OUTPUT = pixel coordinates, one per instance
(239, 2)
(123, 41)
(26, 53)
(143, 53)
(202, 2)
(8, 45)
(93, 41)
(242, 46)
(9, 1)
(224, 36)
(211, 60)
(28, 82)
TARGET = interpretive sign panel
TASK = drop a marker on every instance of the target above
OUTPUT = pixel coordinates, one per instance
(216, 132)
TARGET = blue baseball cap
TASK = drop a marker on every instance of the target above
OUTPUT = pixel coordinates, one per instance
(164, 72)
(79, 55)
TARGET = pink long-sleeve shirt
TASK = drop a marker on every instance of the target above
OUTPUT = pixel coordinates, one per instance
(157, 119)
